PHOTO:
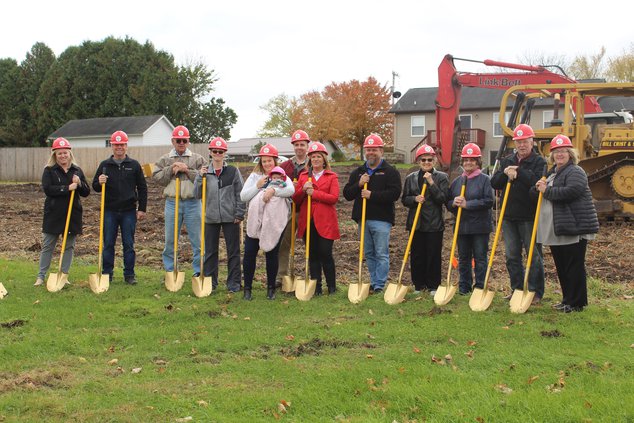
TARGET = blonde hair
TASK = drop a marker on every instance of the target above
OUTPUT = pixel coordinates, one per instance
(260, 169)
(324, 156)
(572, 153)
(52, 159)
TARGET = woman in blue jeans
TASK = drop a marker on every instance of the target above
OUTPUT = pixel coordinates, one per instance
(476, 222)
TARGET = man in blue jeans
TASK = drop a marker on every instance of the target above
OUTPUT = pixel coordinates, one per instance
(523, 168)
(125, 186)
(184, 164)
(384, 189)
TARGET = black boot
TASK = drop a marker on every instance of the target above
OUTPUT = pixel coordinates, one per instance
(247, 294)
(332, 290)
(318, 289)
(270, 293)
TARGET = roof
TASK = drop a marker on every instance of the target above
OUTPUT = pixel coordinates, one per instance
(243, 146)
(616, 104)
(424, 100)
(131, 125)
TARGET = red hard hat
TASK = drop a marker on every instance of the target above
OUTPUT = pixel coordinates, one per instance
(317, 147)
(60, 143)
(299, 135)
(118, 137)
(471, 150)
(372, 141)
(218, 143)
(180, 132)
(425, 149)
(522, 132)
(268, 150)
(560, 141)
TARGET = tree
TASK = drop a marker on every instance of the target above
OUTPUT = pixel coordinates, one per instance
(621, 69)
(279, 124)
(9, 97)
(588, 67)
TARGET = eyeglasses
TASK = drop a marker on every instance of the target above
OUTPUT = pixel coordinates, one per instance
(181, 141)
(217, 151)
(426, 160)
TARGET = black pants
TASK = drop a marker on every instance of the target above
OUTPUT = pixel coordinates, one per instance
(425, 260)
(571, 271)
(251, 248)
(321, 258)
(231, 232)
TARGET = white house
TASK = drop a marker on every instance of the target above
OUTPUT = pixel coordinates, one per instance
(142, 131)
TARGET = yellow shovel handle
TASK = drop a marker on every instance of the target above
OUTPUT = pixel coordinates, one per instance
(293, 211)
(362, 240)
(455, 234)
(497, 234)
(308, 233)
(202, 218)
(411, 233)
(101, 222)
(529, 260)
(66, 227)
(178, 194)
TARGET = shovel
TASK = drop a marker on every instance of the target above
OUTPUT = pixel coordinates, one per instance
(395, 292)
(305, 288)
(359, 291)
(288, 281)
(481, 298)
(56, 281)
(98, 281)
(521, 300)
(3, 291)
(174, 280)
(445, 292)
(201, 285)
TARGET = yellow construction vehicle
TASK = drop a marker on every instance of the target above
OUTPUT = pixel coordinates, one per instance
(605, 141)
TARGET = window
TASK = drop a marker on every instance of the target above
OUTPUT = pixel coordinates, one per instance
(418, 126)
(548, 116)
(465, 121)
(497, 128)
(492, 156)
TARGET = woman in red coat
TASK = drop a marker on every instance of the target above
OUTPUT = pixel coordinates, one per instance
(323, 186)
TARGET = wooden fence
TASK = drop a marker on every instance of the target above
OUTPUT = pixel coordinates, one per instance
(27, 164)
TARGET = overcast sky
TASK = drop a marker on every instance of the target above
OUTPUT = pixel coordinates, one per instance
(259, 49)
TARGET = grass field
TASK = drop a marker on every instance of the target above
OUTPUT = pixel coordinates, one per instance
(144, 354)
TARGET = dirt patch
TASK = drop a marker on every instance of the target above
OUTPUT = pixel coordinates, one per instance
(32, 381)
(609, 255)
(316, 346)
(551, 333)
(13, 324)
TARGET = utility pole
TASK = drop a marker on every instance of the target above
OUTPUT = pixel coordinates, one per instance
(394, 75)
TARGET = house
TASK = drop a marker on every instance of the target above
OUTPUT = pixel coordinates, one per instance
(243, 149)
(415, 118)
(142, 131)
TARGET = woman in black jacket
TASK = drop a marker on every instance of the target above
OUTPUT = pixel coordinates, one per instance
(568, 220)
(61, 176)
(426, 249)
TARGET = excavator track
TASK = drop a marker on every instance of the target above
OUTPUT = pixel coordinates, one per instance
(612, 186)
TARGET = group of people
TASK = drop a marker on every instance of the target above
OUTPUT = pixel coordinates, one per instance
(567, 215)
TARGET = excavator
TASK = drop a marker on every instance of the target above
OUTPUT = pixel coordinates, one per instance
(605, 141)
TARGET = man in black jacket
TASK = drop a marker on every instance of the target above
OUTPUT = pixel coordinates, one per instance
(384, 189)
(523, 168)
(125, 185)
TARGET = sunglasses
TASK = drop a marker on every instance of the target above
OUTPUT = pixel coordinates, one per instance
(181, 141)
(217, 151)
(426, 160)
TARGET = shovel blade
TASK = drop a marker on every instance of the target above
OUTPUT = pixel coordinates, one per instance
(174, 281)
(98, 283)
(444, 294)
(395, 293)
(56, 281)
(521, 301)
(358, 292)
(201, 286)
(3, 291)
(305, 289)
(288, 283)
(480, 299)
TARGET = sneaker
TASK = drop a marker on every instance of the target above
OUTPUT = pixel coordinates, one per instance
(39, 282)
(196, 275)
(378, 290)
(432, 293)
(130, 280)
(536, 300)
(569, 309)
(559, 306)
(464, 293)
(417, 292)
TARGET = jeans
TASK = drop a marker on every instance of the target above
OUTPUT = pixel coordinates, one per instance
(231, 232)
(251, 248)
(188, 212)
(472, 246)
(112, 221)
(517, 238)
(48, 247)
(377, 252)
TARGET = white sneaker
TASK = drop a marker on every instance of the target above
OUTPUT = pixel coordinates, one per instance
(39, 282)
(432, 292)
